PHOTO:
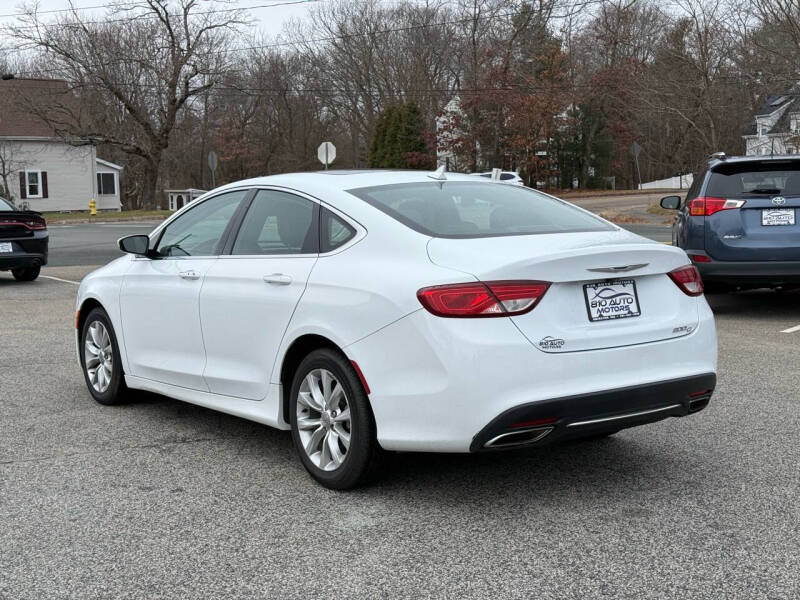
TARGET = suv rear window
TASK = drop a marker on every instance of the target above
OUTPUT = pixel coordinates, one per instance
(460, 209)
(755, 179)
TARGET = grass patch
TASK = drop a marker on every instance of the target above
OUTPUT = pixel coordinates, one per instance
(655, 209)
(126, 215)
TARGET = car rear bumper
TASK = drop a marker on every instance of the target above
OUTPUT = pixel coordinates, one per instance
(443, 385)
(26, 252)
(760, 273)
(596, 413)
(22, 260)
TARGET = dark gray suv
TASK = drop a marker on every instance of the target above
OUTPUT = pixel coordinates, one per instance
(739, 222)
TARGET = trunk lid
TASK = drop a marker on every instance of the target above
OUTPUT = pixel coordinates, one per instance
(19, 223)
(561, 321)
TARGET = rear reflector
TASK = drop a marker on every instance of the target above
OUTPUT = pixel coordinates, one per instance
(688, 279)
(361, 376)
(483, 299)
(535, 423)
(705, 206)
(699, 258)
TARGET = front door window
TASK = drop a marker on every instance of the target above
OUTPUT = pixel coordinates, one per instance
(199, 232)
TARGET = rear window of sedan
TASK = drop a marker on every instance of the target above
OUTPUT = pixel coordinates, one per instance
(459, 209)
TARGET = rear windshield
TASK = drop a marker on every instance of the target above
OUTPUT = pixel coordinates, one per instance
(465, 209)
(755, 179)
(5, 205)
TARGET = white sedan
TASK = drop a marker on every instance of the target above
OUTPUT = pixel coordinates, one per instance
(410, 311)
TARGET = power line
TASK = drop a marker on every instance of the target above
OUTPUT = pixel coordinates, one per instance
(147, 16)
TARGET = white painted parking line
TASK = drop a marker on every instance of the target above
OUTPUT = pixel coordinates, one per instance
(791, 329)
(59, 279)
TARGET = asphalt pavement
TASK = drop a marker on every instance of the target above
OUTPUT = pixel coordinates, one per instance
(90, 243)
(162, 499)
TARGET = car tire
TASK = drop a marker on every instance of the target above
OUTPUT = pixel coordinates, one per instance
(339, 452)
(26, 273)
(103, 371)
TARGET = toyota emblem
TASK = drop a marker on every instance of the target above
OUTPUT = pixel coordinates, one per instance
(779, 200)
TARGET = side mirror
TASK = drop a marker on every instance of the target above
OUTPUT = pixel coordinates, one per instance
(135, 244)
(671, 202)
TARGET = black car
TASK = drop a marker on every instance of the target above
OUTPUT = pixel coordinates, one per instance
(739, 222)
(23, 241)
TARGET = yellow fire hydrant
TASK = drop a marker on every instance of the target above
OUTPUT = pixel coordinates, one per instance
(92, 208)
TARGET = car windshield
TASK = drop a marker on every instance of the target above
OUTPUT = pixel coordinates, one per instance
(6, 205)
(748, 180)
(460, 209)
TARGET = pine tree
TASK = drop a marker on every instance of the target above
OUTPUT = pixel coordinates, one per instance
(398, 141)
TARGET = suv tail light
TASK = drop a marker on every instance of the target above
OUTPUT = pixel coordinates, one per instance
(705, 206)
(688, 279)
(483, 299)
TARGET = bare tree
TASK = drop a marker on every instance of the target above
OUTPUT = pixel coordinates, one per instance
(133, 73)
(11, 162)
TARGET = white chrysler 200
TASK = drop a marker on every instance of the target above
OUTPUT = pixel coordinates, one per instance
(386, 310)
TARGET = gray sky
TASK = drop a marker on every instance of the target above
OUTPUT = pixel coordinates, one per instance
(268, 18)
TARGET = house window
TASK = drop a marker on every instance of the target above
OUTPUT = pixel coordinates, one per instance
(106, 184)
(793, 124)
(33, 184)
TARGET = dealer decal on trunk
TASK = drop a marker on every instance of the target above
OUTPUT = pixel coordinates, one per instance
(607, 300)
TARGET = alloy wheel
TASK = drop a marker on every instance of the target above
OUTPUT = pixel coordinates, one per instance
(323, 419)
(98, 356)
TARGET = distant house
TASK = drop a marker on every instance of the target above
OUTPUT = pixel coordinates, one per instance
(39, 169)
(177, 199)
(776, 126)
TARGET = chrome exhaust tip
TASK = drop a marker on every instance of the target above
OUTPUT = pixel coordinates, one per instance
(519, 437)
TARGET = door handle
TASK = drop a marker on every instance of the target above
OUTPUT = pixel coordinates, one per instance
(277, 279)
(189, 275)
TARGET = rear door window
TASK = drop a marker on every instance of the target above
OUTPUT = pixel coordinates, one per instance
(460, 209)
(278, 223)
(335, 231)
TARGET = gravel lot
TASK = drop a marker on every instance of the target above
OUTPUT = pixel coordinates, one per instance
(164, 499)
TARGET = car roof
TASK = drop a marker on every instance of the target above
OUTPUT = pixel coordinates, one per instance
(343, 180)
(753, 158)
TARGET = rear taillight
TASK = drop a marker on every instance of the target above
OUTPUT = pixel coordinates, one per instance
(705, 206)
(483, 299)
(29, 222)
(688, 279)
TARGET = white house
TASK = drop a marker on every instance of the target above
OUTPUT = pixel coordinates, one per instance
(177, 199)
(41, 171)
(776, 126)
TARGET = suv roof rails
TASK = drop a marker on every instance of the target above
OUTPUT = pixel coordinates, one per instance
(718, 156)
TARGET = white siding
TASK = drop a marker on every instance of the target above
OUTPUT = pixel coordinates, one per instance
(108, 200)
(70, 175)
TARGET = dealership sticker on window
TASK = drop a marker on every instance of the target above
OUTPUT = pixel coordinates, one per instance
(607, 300)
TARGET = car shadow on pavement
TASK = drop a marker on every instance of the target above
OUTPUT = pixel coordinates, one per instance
(757, 303)
(562, 472)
